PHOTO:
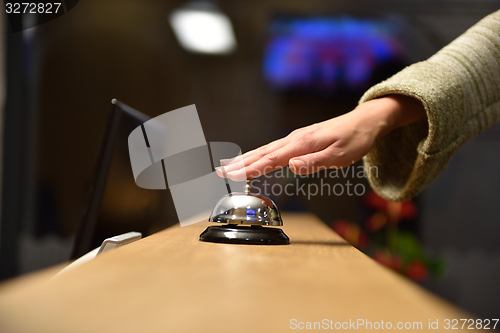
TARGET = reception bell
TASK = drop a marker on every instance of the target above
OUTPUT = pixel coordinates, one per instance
(246, 217)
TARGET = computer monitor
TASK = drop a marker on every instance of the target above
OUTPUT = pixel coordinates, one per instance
(116, 204)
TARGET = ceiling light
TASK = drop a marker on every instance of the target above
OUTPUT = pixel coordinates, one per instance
(201, 27)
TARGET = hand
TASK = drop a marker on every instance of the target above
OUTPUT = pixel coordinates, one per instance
(335, 143)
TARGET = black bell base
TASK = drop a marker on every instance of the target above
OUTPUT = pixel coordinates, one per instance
(238, 234)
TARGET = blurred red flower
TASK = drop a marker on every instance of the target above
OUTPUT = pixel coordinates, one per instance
(392, 261)
(376, 222)
(395, 211)
(351, 233)
(376, 202)
(416, 270)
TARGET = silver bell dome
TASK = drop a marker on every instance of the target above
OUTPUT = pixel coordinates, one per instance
(246, 208)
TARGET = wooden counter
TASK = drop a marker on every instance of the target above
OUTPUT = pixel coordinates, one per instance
(171, 282)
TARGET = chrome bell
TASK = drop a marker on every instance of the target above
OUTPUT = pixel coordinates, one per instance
(245, 214)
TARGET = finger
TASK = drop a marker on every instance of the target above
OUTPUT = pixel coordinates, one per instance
(311, 163)
(237, 164)
(254, 155)
(221, 172)
(226, 161)
(270, 162)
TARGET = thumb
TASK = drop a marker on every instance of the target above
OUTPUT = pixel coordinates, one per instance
(311, 163)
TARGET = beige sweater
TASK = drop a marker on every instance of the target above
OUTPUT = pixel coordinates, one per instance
(460, 89)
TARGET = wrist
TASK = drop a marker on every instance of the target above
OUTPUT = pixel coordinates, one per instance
(387, 113)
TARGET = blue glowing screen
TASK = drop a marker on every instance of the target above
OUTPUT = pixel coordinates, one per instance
(328, 53)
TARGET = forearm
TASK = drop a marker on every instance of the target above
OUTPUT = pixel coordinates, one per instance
(459, 89)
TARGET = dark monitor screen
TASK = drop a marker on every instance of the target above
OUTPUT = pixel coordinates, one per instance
(116, 204)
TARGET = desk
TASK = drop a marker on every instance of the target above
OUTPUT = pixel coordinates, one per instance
(171, 282)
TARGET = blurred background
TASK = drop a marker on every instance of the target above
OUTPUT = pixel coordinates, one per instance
(256, 70)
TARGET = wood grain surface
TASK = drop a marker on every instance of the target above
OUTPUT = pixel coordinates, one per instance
(172, 282)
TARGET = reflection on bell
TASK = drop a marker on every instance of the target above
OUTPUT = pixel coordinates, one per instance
(246, 214)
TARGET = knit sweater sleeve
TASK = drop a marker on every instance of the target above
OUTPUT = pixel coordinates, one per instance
(460, 89)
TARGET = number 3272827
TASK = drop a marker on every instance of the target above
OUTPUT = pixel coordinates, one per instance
(32, 8)
(470, 324)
